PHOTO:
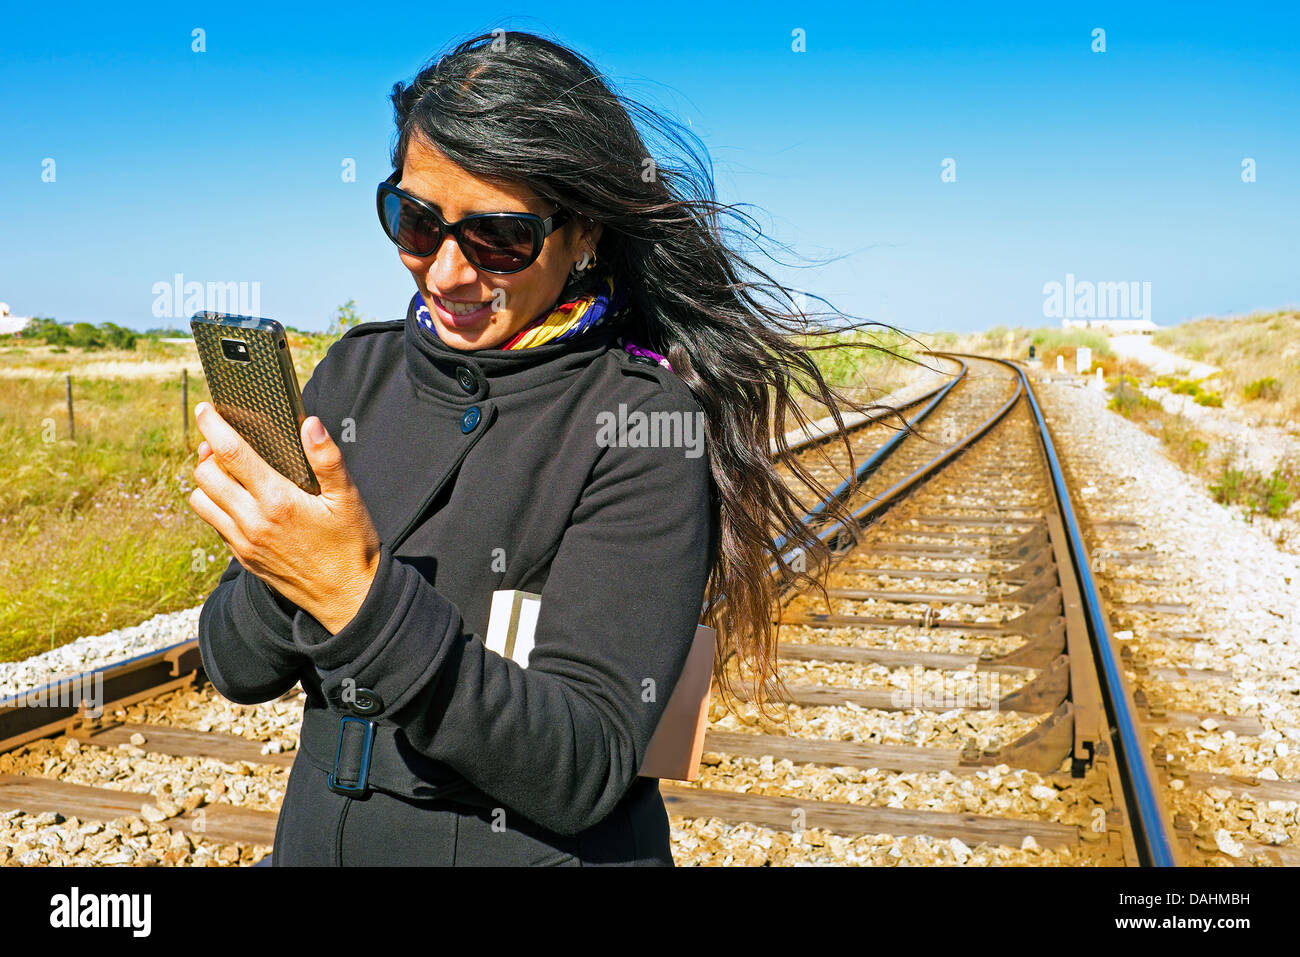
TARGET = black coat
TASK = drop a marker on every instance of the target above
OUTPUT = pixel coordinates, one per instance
(487, 470)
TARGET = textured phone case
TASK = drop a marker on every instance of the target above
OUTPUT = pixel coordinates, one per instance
(260, 398)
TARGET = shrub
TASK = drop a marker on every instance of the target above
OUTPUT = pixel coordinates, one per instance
(1071, 339)
(345, 317)
(85, 336)
(1274, 494)
(1267, 388)
(1271, 494)
(1210, 399)
(1231, 486)
(1183, 443)
(117, 337)
(1129, 401)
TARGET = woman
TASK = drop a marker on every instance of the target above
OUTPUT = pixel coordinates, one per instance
(464, 450)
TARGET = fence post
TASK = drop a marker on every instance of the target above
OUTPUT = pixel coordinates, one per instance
(72, 426)
(185, 408)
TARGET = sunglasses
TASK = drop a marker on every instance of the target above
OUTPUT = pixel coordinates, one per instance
(499, 243)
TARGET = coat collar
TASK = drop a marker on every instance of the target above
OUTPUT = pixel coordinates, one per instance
(461, 376)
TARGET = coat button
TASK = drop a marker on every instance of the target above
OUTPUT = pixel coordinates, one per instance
(645, 360)
(366, 702)
(469, 421)
(466, 379)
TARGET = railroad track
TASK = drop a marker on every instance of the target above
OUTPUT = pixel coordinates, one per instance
(958, 670)
(957, 660)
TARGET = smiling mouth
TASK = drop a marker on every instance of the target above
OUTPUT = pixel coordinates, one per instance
(460, 308)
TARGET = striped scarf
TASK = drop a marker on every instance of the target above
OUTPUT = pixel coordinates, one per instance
(566, 321)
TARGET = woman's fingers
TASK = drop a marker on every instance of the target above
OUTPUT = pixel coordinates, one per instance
(238, 459)
(224, 492)
(225, 526)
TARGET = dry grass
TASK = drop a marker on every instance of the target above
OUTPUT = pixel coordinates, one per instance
(1259, 359)
(1192, 449)
(97, 533)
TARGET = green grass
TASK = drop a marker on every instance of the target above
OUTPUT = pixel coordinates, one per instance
(97, 533)
(854, 364)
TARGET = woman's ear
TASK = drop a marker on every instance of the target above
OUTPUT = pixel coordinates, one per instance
(588, 235)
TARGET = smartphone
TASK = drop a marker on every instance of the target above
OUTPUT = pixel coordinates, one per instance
(254, 387)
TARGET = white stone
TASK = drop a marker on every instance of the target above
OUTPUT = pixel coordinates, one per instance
(1223, 840)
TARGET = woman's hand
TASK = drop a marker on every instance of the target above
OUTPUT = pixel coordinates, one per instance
(320, 552)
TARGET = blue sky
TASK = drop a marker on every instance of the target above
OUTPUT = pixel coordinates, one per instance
(1116, 166)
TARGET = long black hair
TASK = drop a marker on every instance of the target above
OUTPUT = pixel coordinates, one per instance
(514, 106)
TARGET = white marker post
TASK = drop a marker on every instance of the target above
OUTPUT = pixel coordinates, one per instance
(1060, 363)
(1082, 360)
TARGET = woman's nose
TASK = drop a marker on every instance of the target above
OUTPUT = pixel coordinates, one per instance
(450, 268)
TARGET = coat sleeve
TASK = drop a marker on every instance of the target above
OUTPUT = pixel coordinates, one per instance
(560, 741)
(246, 628)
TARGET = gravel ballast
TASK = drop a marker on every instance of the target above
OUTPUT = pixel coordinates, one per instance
(1242, 616)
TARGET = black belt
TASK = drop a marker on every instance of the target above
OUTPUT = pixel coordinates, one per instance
(361, 755)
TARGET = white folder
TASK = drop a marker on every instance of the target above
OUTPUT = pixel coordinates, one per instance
(678, 742)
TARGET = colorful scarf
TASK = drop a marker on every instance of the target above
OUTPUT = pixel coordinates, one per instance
(566, 321)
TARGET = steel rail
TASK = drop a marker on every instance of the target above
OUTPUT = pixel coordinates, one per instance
(876, 415)
(1152, 830)
(122, 682)
(903, 486)
(877, 458)
(935, 396)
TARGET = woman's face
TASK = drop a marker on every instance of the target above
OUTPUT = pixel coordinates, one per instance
(508, 303)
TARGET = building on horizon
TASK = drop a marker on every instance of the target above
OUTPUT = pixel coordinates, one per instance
(10, 324)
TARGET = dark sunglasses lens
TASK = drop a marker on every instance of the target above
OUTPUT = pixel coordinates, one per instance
(499, 242)
(413, 229)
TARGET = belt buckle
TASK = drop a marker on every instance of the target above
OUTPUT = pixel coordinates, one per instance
(363, 775)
